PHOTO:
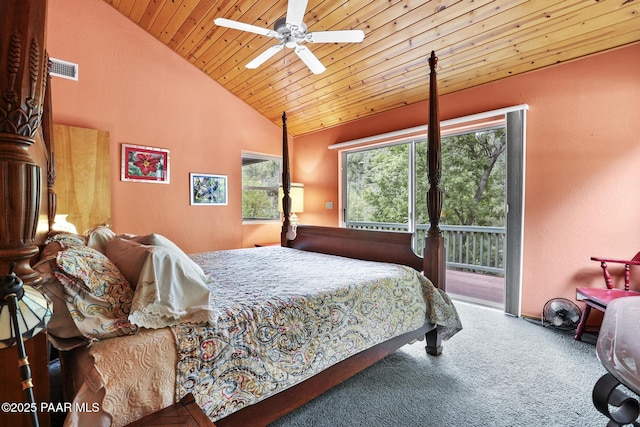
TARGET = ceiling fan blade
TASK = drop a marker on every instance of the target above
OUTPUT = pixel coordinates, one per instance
(264, 56)
(340, 36)
(310, 59)
(222, 22)
(295, 12)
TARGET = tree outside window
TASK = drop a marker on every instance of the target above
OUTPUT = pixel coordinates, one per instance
(260, 180)
(377, 184)
(378, 181)
(473, 179)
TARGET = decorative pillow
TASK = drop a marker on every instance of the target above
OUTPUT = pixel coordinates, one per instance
(62, 331)
(160, 240)
(61, 324)
(168, 290)
(98, 237)
(97, 294)
(66, 238)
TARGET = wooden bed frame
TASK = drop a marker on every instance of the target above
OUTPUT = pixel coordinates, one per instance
(27, 152)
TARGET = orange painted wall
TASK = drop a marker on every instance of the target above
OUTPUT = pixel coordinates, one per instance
(142, 93)
(582, 162)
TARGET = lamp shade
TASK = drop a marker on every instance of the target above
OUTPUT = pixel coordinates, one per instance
(34, 312)
(297, 198)
(60, 223)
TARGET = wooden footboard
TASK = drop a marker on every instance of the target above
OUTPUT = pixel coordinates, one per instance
(384, 246)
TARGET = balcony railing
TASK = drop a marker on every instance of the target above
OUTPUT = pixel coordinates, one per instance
(468, 248)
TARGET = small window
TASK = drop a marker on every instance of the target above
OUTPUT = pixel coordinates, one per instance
(260, 181)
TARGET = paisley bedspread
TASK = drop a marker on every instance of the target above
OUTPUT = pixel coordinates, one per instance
(280, 315)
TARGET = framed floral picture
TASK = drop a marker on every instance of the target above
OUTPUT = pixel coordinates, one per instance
(145, 164)
(207, 189)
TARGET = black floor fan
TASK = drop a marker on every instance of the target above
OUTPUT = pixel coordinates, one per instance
(561, 313)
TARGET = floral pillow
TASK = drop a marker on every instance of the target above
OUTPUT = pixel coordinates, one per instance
(98, 296)
(66, 238)
(61, 329)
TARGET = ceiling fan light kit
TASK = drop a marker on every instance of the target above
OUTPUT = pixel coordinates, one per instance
(291, 32)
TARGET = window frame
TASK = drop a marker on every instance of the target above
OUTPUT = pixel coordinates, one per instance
(344, 220)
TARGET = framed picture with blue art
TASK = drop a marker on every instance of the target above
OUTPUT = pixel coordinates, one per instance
(208, 189)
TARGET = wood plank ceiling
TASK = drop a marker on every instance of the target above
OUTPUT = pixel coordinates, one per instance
(477, 41)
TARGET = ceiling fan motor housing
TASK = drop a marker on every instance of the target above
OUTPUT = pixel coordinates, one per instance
(290, 34)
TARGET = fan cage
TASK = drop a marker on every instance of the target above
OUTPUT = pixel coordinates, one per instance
(561, 313)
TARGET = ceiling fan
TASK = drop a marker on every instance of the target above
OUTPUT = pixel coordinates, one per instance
(290, 31)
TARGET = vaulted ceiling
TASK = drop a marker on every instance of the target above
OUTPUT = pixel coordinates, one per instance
(477, 41)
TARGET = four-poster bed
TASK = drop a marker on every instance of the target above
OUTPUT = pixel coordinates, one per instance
(377, 248)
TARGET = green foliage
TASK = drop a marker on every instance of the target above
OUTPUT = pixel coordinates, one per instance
(260, 204)
(473, 181)
(378, 185)
(260, 180)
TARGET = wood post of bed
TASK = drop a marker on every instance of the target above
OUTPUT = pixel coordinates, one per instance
(287, 230)
(25, 68)
(434, 247)
(47, 133)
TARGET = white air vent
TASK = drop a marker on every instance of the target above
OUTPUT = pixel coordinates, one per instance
(64, 69)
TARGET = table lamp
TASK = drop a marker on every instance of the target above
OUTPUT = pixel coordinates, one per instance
(24, 312)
